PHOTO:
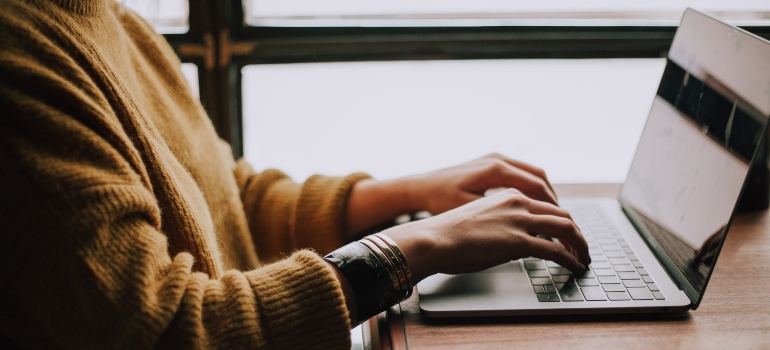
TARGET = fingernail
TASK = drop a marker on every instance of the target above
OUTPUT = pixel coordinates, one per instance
(582, 267)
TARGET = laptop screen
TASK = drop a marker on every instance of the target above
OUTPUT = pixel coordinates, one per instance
(705, 124)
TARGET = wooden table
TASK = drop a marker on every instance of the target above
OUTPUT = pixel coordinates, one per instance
(734, 314)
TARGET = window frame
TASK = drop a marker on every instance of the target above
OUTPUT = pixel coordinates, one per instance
(220, 29)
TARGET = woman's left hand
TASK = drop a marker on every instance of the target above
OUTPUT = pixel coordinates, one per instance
(374, 202)
(449, 188)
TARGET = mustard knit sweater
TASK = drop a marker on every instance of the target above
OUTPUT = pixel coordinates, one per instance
(124, 220)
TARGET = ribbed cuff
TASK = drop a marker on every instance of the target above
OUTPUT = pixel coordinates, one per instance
(302, 303)
(321, 211)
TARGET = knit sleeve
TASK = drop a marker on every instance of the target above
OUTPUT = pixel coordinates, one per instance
(284, 216)
(85, 258)
(85, 262)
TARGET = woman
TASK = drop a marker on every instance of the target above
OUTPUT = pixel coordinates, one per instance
(126, 222)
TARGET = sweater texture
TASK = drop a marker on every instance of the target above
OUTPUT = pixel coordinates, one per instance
(125, 222)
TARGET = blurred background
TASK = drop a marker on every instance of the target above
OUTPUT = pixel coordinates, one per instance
(401, 87)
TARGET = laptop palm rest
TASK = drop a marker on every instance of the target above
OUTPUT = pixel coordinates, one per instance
(504, 287)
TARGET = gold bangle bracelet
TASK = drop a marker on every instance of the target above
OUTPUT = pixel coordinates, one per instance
(384, 262)
(401, 256)
(388, 251)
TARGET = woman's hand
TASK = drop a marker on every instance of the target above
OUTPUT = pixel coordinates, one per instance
(488, 232)
(452, 187)
(374, 202)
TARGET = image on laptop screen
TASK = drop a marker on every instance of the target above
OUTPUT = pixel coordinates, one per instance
(682, 187)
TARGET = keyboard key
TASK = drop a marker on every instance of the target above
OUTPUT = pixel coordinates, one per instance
(613, 288)
(615, 254)
(610, 247)
(640, 293)
(559, 285)
(628, 275)
(538, 273)
(653, 287)
(637, 263)
(624, 268)
(628, 250)
(603, 272)
(553, 297)
(597, 257)
(587, 282)
(658, 296)
(632, 257)
(539, 281)
(549, 288)
(559, 271)
(634, 283)
(618, 296)
(609, 280)
(539, 289)
(600, 265)
(642, 271)
(561, 278)
(586, 274)
(647, 279)
(619, 261)
(534, 265)
(594, 293)
(570, 292)
(553, 264)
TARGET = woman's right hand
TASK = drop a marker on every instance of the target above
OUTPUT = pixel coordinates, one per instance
(491, 231)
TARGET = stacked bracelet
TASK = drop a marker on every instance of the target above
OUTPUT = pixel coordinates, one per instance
(377, 271)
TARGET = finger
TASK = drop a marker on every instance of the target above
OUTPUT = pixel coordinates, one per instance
(545, 208)
(509, 176)
(526, 167)
(548, 250)
(496, 190)
(562, 229)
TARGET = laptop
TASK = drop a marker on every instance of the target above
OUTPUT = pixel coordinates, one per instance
(654, 247)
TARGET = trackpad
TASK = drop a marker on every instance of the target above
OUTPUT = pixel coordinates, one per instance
(499, 287)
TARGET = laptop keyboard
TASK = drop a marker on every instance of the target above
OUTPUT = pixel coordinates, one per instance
(615, 273)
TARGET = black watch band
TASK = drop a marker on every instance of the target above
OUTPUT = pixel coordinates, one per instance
(368, 277)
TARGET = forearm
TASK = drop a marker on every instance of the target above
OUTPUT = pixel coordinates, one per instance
(372, 203)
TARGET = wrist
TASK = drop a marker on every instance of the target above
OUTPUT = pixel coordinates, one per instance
(420, 250)
(403, 194)
(373, 203)
(377, 274)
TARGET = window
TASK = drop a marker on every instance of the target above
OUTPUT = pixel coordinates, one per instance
(261, 63)
(168, 16)
(437, 104)
(545, 12)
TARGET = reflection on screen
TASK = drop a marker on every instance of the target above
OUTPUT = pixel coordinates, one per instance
(690, 167)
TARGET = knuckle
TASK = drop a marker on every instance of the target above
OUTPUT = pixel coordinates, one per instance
(514, 198)
(496, 166)
(541, 187)
(567, 225)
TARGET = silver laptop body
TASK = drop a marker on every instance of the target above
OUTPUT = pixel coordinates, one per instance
(654, 247)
